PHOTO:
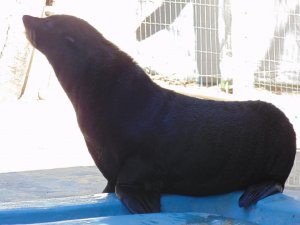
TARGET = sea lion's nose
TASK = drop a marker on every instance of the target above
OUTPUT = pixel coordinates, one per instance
(26, 19)
(29, 21)
(30, 25)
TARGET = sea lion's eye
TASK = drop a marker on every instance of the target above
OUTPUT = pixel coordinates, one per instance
(48, 24)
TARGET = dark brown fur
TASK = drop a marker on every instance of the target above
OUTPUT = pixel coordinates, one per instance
(147, 140)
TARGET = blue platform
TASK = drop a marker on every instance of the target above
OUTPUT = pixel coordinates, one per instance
(107, 209)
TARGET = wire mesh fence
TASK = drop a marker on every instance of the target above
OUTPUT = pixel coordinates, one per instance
(255, 44)
(279, 70)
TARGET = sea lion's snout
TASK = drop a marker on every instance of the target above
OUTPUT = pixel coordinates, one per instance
(30, 24)
(28, 21)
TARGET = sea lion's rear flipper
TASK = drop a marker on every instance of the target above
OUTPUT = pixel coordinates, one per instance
(255, 193)
(137, 200)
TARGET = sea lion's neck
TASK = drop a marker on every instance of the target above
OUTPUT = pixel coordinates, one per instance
(118, 95)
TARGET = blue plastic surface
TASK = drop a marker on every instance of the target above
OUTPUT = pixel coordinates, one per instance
(191, 218)
(107, 209)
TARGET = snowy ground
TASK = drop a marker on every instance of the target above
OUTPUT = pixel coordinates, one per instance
(39, 135)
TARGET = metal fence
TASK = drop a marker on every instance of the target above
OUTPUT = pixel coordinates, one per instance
(279, 71)
(253, 43)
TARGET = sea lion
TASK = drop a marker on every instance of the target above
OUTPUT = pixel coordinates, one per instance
(147, 140)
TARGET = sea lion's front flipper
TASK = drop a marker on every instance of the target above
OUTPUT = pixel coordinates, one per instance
(110, 188)
(138, 200)
(139, 184)
(257, 192)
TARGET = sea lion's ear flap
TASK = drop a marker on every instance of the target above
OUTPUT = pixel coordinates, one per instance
(70, 39)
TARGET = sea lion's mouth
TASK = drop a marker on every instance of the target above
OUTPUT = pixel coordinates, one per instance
(29, 23)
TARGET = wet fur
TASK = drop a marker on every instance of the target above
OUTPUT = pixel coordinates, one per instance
(152, 140)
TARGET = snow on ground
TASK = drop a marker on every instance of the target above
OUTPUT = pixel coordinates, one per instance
(40, 135)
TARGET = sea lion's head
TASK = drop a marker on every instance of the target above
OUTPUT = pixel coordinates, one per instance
(70, 44)
(62, 38)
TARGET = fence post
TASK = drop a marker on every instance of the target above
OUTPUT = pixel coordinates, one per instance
(14, 48)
